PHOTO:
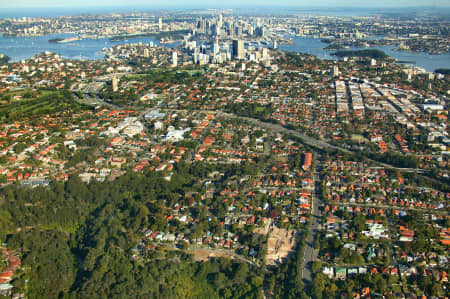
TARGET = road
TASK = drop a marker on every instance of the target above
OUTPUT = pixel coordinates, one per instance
(315, 143)
(388, 207)
(391, 252)
(97, 101)
(320, 144)
(280, 129)
(310, 254)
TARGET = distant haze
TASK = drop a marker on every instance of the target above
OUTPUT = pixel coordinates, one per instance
(216, 3)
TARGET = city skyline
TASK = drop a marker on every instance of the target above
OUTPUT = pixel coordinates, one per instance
(232, 3)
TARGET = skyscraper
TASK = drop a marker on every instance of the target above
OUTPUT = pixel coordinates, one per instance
(230, 30)
(335, 71)
(238, 49)
(238, 31)
(260, 31)
(174, 59)
(220, 23)
(216, 46)
(201, 26)
(160, 24)
(265, 53)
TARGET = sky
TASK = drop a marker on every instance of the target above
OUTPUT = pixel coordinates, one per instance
(220, 3)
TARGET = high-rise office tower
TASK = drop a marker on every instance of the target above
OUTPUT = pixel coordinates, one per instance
(238, 49)
(220, 23)
(160, 24)
(230, 30)
(216, 46)
(265, 53)
(335, 71)
(202, 26)
(208, 27)
(174, 59)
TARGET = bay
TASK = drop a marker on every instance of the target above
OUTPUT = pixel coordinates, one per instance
(19, 48)
(316, 47)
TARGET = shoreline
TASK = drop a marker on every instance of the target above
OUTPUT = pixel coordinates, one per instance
(22, 48)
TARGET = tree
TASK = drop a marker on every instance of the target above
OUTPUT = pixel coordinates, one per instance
(316, 267)
(241, 272)
(381, 285)
(333, 289)
(318, 286)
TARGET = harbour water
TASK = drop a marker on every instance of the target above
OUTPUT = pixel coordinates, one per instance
(423, 60)
(19, 48)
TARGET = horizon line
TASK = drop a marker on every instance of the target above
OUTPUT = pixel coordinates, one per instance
(233, 6)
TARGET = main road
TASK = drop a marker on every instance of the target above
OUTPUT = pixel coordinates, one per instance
(315, 143)
(280, 129)
(310, 254)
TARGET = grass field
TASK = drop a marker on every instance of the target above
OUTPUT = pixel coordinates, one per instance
(47, 102)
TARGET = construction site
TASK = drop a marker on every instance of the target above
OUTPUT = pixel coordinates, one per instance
(280, 244)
